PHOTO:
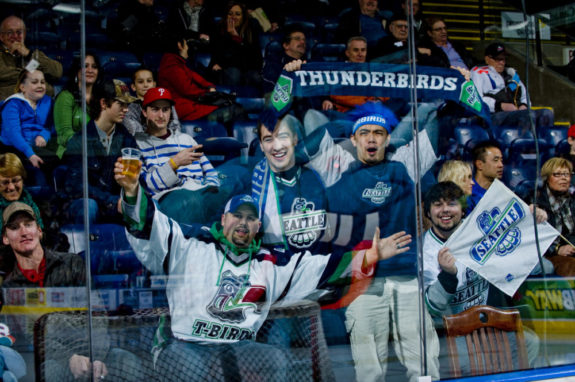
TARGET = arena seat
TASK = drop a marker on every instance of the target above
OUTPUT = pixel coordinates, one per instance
(467, 137)
(201, 130)
(245, 132)
(328, 52)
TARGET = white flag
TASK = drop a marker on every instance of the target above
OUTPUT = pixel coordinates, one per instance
(497, 240)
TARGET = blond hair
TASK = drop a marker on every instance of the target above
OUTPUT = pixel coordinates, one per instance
(455, 171)
(11, 166)
(551, 165)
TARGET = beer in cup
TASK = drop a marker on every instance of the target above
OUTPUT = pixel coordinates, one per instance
(131, 162)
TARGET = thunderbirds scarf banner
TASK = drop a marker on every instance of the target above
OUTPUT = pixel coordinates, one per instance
(378, 80)
(498, 239)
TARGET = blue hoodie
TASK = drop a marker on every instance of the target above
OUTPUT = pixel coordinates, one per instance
(21, 124)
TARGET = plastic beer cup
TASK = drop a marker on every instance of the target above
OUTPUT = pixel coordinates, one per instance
(131, 162)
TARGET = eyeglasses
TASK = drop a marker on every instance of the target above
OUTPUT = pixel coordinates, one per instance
(561, 174)
(401, 26)
(439, 29)
(12, 32)
(6, 182)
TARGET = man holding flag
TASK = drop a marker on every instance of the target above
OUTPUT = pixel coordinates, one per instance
(451, 286)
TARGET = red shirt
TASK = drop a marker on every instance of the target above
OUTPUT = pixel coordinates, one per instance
(33, 276)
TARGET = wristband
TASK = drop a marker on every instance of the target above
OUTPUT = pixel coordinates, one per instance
(173, 164)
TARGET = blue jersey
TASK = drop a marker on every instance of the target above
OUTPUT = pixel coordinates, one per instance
(369, 196)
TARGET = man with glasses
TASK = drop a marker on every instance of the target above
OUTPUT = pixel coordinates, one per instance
(15, 56)
(502, 90)
(443, 51)
(393, 48)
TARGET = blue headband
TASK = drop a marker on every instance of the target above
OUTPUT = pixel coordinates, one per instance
(375, 119)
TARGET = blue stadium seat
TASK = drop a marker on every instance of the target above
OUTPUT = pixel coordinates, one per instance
(520, 176)
(273, 48)
(518, 144)
(118, 64)
(308, 27)
(328, 52)
(202, 129)
(245, 132)
(253, 106)
(203, 59)
(556, 138)
(467, 137)
(267, 38)
(152, 60)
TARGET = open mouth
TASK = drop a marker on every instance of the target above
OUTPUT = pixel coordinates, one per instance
(279, 155)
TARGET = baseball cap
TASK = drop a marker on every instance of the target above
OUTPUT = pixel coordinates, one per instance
(116, 90)
(495, 49)
(239, 200)
(14, 208)
(156, 94)
(571, 131)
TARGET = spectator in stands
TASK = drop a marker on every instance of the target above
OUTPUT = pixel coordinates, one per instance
(444, 52)
(106, 137)
(142, 81)
(236, 53)
(458, 172)
(355, 51)
(488, 163)
(450, 287)
(27, 123)
(502, 90)
(138, 27)
(294, 48)
(16, 56)
(187, 86)
(413, 7)
(175, 171)
(570, 155)
(36, 265)
(224, 259)
(365, 19)
(68, 104)
(393, 48)
(290, 195)
(190, 18)
(555, 199)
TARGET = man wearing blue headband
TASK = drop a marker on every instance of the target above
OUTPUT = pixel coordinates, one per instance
(375, 192)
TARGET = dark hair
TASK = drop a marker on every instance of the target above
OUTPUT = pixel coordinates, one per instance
(140, 69)
(432, 20)
(72, 84)
(103, 90)
(244, 30)
(478, 152)
(443, 191)
(291, 29)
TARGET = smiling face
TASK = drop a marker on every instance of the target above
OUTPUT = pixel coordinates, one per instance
(279, 147)
(370, 142)
(368, 7)
(143, 80)
(445, 216)
(296, 46)
(34, 86)
(91, 71)
(240, 227)
(11, 188)
(23, 234)
(235, 14)
(12, 30)
(560, 180)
